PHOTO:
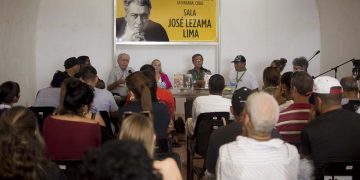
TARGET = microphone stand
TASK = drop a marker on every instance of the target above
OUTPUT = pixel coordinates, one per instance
(335, 68)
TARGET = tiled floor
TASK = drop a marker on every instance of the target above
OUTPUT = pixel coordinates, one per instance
(181, 150)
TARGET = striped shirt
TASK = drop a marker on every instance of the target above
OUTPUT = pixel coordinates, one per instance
(248, 158)
(292, 121)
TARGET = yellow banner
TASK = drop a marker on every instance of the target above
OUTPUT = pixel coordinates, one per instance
(183, 21)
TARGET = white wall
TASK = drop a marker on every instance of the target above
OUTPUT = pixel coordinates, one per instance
(17, 45)
(32, 47)
(263, 30)
(72, 28)
(340, 34)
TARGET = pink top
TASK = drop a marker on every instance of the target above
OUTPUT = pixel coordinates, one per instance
(166, 80)
(70, 140)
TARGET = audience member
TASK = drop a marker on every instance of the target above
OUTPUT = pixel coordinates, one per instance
(300, 64)
(72, 66)
(162, 95)
(210, 103)
(198, 72)
(22, 149)
(256, 155)
(84, 62)
(350, 96)
(9, 94)
(70, 133)
(143, 92)
(271, 79)
(242, 77)
(103, 100)
(116, 82)
(279, 64)
(293, 119)
(161, 78)
(50, 96)
(120, 160)
(228, 133)
(285, 90)
(330, 136)
(138, 127)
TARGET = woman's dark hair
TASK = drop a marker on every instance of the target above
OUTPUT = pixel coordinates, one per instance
(9, 90)
(286, 82)
(149, 71)
(271, 77)
(58, 79)
(279, 63)
(139, 84)
(120, 160)
(75, 95)
(22, 149)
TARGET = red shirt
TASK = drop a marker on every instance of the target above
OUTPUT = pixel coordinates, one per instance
(70, 140)
(292, 121)
(166, 97)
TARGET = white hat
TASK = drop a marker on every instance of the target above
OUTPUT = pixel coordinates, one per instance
(327, 85)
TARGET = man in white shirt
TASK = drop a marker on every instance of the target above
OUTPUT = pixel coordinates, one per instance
(242, 77)
(255, 155)
(116, 82)
(211, 103)
(103, 100)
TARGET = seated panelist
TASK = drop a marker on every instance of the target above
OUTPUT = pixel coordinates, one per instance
(198, 72)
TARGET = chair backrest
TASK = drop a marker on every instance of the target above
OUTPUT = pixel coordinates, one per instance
(41, 114)
(106, 132)
(344, 169)
(206, 123)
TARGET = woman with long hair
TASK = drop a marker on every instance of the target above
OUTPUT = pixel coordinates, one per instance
(271, 79)
(161, 78)
(22, 149)
(70, 132)
(143, 93)
(139, 127)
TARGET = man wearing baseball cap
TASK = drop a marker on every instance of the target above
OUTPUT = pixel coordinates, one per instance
(330, 136)
(242, 77)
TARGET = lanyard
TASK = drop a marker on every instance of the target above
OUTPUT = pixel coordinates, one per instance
(239, 79)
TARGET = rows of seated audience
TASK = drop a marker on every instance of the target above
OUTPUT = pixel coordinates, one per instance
(291, 128)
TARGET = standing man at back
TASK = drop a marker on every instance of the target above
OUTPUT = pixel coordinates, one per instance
(242, 77)
(116, 82)
(332, 135)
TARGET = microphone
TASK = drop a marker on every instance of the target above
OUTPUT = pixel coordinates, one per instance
(130, 71)
(317, 52)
